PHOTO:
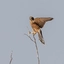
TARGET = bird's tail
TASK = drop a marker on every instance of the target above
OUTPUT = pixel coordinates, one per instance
(41, 37)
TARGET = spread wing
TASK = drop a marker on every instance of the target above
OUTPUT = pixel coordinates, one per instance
(41, 21)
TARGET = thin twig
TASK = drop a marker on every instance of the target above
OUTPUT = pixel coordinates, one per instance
(35, 46)
(29, 37)
(36, 49)
(11, 58)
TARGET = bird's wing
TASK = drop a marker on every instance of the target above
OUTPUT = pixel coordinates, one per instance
(44, 18)
(41, 21)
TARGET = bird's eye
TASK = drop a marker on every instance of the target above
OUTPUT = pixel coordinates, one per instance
(32, 18)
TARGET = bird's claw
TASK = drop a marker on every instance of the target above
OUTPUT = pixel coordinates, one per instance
(29, 32)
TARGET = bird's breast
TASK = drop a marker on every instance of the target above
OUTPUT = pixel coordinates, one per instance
(34, 26)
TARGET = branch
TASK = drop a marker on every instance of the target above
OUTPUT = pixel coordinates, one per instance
(29, 37)
(11, 58)
(34, 40)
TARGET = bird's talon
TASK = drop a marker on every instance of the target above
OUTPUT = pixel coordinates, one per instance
(29, 32)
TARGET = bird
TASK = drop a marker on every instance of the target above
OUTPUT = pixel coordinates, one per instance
(38, 23)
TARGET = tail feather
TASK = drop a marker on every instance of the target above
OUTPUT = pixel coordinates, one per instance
(41, 37)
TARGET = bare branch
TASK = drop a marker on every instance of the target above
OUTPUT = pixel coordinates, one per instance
(11, 58)
(29, 37)
(35, 46)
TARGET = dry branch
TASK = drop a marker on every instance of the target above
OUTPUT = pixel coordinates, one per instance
(34, 40)
(11, 58)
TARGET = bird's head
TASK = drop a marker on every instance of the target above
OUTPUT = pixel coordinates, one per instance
(31, 18)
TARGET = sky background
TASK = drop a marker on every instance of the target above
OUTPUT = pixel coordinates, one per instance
(14, 20)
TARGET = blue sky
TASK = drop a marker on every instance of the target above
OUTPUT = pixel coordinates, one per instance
(14, 20)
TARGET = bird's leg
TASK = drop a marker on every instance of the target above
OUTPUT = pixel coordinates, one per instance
(33, 32)
(29, 32)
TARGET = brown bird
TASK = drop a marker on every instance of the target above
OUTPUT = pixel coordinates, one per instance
(37, 24)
